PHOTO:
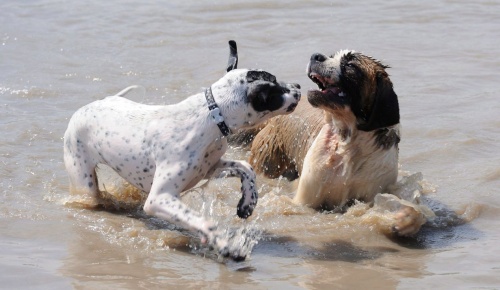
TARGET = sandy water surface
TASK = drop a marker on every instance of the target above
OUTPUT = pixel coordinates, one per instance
(56, 56)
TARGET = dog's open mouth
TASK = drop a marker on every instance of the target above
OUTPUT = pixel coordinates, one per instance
(325, 85)
(329, 95)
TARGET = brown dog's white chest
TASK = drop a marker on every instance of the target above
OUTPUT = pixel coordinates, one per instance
(338, 168)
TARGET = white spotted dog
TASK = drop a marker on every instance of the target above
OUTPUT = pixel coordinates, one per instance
(165, 150)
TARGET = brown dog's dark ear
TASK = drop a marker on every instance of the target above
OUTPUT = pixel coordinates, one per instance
(232, 63)
(385, 108)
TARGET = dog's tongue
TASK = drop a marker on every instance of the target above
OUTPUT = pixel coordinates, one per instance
(333, 90)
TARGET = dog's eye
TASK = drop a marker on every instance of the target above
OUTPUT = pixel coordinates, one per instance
(351, 66)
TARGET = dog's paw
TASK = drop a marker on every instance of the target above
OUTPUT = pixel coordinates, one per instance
(244, 210)
(405, 217)
(236, 256)
(408, 221)
(238, 243)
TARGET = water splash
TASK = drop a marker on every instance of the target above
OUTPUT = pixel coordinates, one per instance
(275, 216)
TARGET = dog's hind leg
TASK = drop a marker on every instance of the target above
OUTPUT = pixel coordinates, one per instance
(80, 167)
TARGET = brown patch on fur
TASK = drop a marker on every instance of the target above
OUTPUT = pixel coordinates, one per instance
(284, 137)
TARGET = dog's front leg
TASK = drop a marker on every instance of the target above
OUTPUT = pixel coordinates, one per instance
(166, 205)
(243, 170)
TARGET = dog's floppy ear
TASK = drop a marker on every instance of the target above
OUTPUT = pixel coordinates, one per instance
(232, 63)
(385, 108)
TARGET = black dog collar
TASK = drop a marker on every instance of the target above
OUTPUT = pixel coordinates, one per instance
(215, 112)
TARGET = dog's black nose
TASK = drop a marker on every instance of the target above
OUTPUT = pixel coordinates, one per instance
(318, 57)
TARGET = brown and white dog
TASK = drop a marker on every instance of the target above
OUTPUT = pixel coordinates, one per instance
(343, 144)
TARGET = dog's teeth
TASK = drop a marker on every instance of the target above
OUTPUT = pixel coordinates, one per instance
(341, 94)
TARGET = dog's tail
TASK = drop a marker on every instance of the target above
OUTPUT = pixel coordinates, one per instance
(125, 91)
(232, 63)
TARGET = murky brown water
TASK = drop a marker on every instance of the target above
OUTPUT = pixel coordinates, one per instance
(56, 56)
